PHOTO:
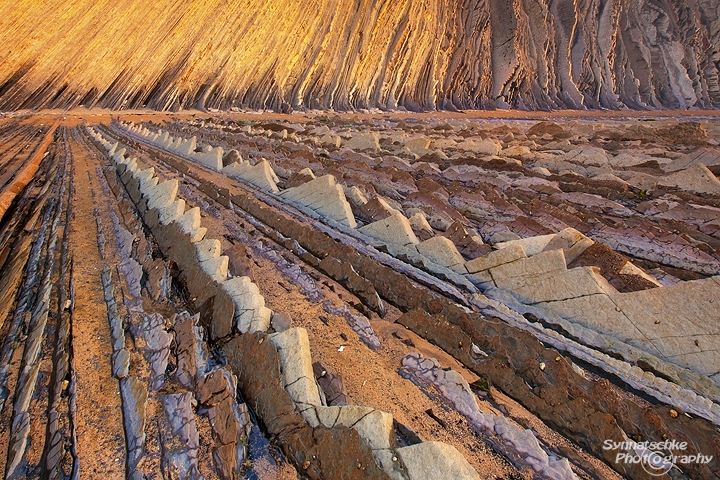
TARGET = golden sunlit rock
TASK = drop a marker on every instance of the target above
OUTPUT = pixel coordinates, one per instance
(339, 54)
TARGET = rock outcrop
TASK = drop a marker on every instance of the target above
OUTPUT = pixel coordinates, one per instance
(428, 55)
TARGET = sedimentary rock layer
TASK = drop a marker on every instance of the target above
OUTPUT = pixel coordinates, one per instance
(530, 54)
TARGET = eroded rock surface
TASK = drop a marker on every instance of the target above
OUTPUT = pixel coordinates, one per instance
(638, 55)
(558, 268)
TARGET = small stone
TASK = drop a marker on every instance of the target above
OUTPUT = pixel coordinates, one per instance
(280, 321)
(673, 413)
(476, 350)
(542, 366)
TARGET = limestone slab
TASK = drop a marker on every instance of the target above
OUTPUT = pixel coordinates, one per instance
(376, 428)
(418, 146)
(419, 222)
(696, 178)
(260, 175)
(261, 320)
(545, 262)
(435, 461)
(146, 178)
(558, 285)
(163, 194)
(197, 234)
(687, 311)
(325, 196)
(599, 313)
(172, 212)
(440, 250)
(216, 268)
(531, 245)
(331, 203)
(587, 156)
(242, 289)
(364, 141)
(210, 157)
(187, 147)
(571, 241)
(310, 188)
(496, 258)
(190, 220)
(207, 249)
(485, 147)
(395, 229)
(293, 348)
(355, 196)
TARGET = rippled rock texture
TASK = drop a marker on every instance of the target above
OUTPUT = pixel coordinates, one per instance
(343, 54)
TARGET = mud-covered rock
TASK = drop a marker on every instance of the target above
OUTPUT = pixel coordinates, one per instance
(611, 266)
(470, 246)
(319, 452)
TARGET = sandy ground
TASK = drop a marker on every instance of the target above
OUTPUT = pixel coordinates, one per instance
(100, 427)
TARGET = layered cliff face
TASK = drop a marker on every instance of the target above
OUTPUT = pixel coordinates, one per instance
(343, 54)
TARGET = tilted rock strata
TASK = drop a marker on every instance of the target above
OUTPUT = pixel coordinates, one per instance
(374, 426)
(321, 54)
(456, 390)
(565, 243)
(543, 279)
(650, 319)
(292, 345)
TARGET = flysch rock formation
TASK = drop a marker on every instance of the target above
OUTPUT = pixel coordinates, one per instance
(542, 280)
(417, 297)
(650, 319)
(432, 55)
(295, 362)
(572, 243)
